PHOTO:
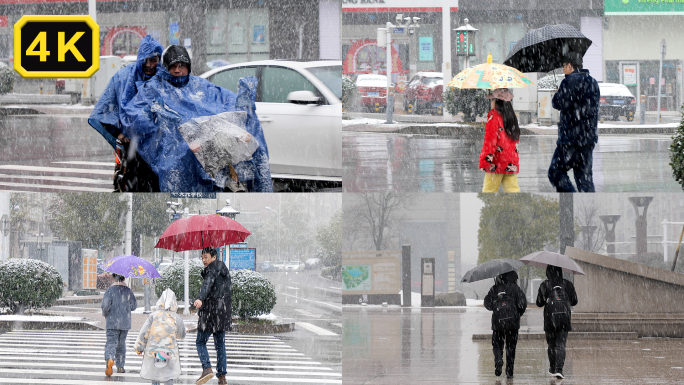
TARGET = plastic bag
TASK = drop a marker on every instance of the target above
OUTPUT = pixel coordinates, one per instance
(219, 140)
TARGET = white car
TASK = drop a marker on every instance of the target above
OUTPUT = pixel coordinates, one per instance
(300, 109)
(278, 266)
(294, 266)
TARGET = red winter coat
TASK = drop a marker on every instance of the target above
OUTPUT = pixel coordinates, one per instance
(499, 153)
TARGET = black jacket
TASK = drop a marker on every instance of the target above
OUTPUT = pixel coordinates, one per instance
(554, 277)
(216, 295)
(577, 99)
(506, 282)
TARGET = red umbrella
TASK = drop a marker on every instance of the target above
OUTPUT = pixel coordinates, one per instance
(200, 231)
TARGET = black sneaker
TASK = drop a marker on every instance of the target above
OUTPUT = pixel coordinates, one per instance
(559, 374)
(497, 368)
(552, 372)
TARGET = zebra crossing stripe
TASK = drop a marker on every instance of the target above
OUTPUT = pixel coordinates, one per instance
(77, 357)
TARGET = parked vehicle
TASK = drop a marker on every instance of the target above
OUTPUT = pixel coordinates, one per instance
(300, 109)
(312, 263)
(265, 266)
(373, 91)
(294, 266)
(424, 93)
(616, 100)
(278, 266)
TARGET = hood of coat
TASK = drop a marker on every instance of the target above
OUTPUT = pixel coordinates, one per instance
(554, 273)
(510, 277)
(149, 47)
(167, 301)
(176, 81)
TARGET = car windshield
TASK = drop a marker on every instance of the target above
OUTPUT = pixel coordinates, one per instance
(331, 76)
(432, 81)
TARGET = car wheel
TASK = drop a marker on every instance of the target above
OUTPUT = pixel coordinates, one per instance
(415, 107)
(616, 118)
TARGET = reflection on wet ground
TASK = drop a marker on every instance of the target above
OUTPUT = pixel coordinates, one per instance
(378, 162)
(434, 346)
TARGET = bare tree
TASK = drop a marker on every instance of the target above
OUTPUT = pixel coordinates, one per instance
(591, 234)
(373, 217)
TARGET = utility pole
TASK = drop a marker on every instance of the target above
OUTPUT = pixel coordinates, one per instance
(660, 75)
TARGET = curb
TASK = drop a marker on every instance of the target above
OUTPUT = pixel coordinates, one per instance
(65, 301)
(48, 325)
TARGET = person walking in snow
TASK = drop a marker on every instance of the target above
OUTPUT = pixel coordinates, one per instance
(499, 156)
(158, 342)
(117, 304)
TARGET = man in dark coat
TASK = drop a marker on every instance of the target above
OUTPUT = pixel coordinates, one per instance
(117, 304)
(556, 337)
(505, 288)
(214, 304)
(577, 99)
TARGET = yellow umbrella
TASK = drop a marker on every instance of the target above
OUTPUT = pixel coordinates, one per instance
(490, 76)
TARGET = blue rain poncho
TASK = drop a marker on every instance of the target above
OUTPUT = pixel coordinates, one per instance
(164, 103)
(121, 89)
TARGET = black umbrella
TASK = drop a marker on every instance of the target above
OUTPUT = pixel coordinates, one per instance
(542, 49)
(491, 269)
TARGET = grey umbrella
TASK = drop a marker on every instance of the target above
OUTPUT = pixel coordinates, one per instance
(542, 49)
(491, 269)
(545, 258)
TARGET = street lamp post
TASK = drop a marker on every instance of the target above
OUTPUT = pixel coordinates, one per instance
(389, 27)
(230, 212)
(174, 208)
(268, 208)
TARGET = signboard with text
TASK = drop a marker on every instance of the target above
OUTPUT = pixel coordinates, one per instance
(426, 49)
(629, 77)
(643, 7)
(242, 258)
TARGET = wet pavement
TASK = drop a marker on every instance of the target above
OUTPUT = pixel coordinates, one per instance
(434, 346)
(381, 162)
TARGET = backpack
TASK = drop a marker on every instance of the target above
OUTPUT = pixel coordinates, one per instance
(557, 309)
(505, 315)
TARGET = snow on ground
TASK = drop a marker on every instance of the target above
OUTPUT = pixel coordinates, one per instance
(268, 317)
(537, 126)
(474, 302)
(350, 122)
(39, 318)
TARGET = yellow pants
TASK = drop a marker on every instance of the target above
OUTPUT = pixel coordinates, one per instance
(493, 181)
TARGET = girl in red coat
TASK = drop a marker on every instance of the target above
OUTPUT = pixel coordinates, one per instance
(499, 156)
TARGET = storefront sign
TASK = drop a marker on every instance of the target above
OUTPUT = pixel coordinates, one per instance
(629, 75)
(259, 34)
(174, 33)
(425, 44)
(396, 6)
(364, 56)
(643, 7)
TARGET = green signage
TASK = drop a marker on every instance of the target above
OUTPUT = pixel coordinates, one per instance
(643, 7)
(356, 277)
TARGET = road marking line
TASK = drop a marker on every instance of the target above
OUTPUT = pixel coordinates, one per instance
(322, 303)
(309, 314)
(53, 187)
(108, 164)
(61, 179)
(315, 329)
(56, 169)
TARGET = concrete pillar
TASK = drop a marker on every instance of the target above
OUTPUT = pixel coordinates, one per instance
(641, 224)
(609, 223)
(406, 275)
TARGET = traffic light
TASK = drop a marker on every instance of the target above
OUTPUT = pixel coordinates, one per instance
(461, 39)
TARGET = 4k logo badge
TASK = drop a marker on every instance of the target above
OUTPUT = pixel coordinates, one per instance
(56, 46)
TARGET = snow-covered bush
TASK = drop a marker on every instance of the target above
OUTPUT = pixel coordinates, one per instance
(6, 79)
(253, 294)
(469, 101)
(677, 153)
(173, 278)
(28, 284)
(350, 93)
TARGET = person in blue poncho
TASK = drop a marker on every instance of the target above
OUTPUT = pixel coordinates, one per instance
(132, 173)
(173, 97)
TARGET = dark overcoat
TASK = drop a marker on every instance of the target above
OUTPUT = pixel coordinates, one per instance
(216, 297)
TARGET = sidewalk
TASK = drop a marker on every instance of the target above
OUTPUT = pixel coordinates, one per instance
(435, 346)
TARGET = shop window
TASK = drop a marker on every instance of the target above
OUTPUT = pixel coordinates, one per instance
(279, 82)
(229, 79)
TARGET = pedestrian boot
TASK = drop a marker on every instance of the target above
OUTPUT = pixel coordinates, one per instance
(559, 374)
(497, 368)
(109, 370)
(222, 379)
(120, 370)
(206, 375)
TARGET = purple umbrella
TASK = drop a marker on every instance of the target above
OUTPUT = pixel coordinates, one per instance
(545, 258)
(132, 266)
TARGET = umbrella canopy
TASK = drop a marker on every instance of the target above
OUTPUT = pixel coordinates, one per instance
(542, 49)
(489, 76)
(131, 266)
(491, 269)
(545, 258)
(200, 231)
